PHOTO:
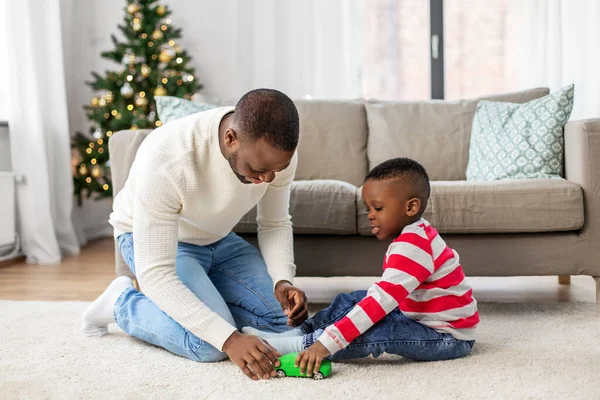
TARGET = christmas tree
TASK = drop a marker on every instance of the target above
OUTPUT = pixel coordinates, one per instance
(151, 64)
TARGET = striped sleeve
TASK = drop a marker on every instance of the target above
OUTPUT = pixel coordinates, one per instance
(409, 262)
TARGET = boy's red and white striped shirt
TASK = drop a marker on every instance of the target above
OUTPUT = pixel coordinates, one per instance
(423, 277)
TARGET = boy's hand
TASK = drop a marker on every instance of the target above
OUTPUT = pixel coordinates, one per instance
(311, 358)
(293, 302)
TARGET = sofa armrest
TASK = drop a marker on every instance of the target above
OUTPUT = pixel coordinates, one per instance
(122, 147)
(582, 166)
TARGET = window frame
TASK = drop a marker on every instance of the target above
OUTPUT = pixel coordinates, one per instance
(436, 48)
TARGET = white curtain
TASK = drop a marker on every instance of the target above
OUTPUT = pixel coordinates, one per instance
(304, 48)
(3, 67)
(39, 129)
(308, 48)
(559, 46)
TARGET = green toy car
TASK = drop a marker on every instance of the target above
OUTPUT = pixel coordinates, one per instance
(287, 368)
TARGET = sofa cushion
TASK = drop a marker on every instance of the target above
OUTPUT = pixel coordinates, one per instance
(333, 141)
(435, 133)
(170, 108)
(506, 206)
(511, 141)
(318, 207)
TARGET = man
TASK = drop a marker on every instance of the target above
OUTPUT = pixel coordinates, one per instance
(191, 182)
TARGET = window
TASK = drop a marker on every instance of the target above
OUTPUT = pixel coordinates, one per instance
(395, 63)
(477, 44)
(417, 50)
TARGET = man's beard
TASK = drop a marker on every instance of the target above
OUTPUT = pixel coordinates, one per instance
(232, 160)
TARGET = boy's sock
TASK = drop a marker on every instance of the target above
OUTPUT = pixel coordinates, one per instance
(267, 335)
(310, 338)
(101, 312)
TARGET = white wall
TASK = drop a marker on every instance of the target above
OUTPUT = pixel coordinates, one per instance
(5, 163)
(8, 249)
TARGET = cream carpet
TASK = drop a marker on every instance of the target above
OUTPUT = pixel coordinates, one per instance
(541, 351)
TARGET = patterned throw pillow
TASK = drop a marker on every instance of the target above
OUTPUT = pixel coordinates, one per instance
(511, 140)
(170, 108)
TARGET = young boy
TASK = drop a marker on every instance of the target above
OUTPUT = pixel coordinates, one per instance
(422, 308)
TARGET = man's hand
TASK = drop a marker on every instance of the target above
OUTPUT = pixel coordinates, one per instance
(311, 358)
(293, 302)
(253, 355)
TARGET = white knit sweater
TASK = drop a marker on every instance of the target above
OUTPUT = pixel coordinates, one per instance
(181, 188)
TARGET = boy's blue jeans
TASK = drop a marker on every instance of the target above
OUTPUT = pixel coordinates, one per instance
(229, 276)
(394, 334)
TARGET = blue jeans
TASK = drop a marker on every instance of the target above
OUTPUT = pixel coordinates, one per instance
(394, 334)
(229, 276)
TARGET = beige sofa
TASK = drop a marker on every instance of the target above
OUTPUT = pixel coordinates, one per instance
(499, 228)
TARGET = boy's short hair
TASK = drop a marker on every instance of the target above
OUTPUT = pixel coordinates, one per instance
(408, 172)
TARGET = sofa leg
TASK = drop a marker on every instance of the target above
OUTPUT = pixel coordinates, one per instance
(564, 279)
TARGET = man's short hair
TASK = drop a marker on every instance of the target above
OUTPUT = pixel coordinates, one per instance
(407, 171)
(268, 114)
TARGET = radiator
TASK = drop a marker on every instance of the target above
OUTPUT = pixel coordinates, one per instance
(8, 235)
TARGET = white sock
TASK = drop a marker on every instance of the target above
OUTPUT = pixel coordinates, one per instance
(286, 345)
(267, 335)
(101, 312)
